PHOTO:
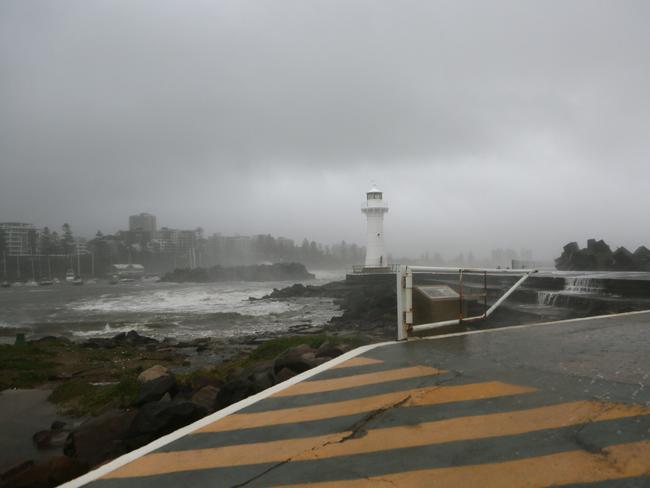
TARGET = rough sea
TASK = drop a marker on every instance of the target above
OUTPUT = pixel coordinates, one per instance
(179, 310)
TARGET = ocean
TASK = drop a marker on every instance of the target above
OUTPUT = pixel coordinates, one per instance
(183, 311)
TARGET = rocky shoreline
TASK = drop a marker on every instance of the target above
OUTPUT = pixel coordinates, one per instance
(131, 389)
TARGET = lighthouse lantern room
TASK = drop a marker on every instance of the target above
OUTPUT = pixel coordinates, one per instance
(374, 207)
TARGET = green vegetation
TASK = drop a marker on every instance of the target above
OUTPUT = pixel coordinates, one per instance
(87, 380)
(24, 366)
(78, 397)
(265, 352)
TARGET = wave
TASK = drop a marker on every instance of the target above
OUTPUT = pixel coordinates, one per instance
(185, 300)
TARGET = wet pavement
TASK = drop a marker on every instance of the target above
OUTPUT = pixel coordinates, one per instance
(565, 403)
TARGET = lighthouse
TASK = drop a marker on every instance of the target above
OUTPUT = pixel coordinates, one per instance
(375, 208)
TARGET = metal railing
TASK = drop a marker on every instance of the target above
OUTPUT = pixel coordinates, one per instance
(404, 274)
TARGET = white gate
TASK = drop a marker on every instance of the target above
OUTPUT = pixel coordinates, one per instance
(405, 295)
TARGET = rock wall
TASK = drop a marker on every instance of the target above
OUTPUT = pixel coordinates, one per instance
(598, 256)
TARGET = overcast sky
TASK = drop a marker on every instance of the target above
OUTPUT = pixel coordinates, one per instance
(487, 124)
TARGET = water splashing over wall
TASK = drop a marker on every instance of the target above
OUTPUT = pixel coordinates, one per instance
(574, 285)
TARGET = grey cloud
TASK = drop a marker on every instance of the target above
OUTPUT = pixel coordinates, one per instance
(511, 123)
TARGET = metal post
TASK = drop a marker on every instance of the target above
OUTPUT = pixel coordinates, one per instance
(401, 316)
(408, 299)
(485, 293)
(460, 297)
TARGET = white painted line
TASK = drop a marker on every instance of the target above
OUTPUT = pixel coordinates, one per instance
(528, 326)
(188, 429)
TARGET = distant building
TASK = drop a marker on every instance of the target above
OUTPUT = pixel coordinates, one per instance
(131, 271)
(167, 239)
(80, 246)
(20, 238)
(143, 222)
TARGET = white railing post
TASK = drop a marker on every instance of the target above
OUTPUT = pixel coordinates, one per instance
(399, 293)
(404, 292)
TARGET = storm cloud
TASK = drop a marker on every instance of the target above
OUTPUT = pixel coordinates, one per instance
(486, 124)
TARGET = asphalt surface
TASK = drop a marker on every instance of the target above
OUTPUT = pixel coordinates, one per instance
(546, 405)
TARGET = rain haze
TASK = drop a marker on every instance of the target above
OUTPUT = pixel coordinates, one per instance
(501, 124)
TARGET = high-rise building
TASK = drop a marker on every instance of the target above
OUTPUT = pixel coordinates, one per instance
(20, 238)
(143, 222)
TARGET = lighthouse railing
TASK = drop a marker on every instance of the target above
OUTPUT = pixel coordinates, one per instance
(404, 286)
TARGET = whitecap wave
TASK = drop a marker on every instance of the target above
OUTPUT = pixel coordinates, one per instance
(200, 300)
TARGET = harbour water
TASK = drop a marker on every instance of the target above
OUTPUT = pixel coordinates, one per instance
(179, 310)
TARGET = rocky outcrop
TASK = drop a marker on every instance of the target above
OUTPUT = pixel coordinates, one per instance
(367, 306)
(258, 272)
(100, 438)
(156, 419)
(153, 373)
(130, 338)
(598, 256)
(289, 363)
(155, 389)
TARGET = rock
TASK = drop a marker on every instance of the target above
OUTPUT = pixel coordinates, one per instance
(152, 373)
(329, 350)
(284, 374)
(42, 439)
(234, 391)
(297, 359)
(99, 342)
(132, 338)
(206, 397)
(47, 439)
(53, 472)
(100, 438)
(159, 418)
(154, 390)
(199, 380)
(15, 470)
(263, 380)
(58, 425)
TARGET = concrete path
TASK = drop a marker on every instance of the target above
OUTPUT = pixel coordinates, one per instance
(565, 403)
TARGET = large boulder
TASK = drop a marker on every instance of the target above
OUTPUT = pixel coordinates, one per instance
(132, 338)
(100, 438)
(155, 389)
(328, 350)
(153, 373)
(234, 391)
(50, 473)
(298, 359)
(206, 397)
(159, 418)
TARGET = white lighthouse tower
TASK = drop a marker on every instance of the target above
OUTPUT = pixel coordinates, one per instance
(375, 208)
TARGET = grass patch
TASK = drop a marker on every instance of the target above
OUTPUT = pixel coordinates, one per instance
(266, 351)
(79, 398)
(24, 366)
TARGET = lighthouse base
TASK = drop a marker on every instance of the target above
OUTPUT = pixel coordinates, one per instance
(363, 269)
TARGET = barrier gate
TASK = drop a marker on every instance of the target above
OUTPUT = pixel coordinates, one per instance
(405, 275)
